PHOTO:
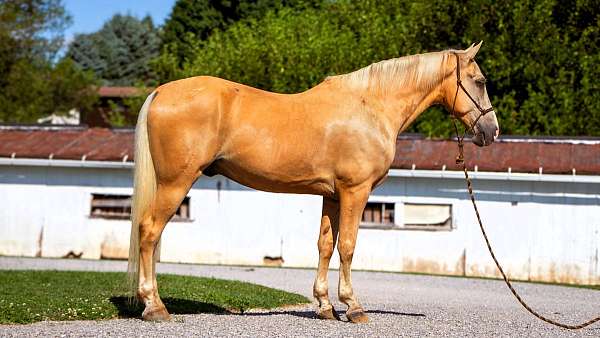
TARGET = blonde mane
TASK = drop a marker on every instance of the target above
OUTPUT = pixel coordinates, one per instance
(421, 70)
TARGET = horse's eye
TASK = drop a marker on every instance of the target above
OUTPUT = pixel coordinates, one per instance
(480, 81)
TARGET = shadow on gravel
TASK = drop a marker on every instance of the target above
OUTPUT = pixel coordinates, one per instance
(303, 314)
(385, 312)
(187, 307)
(174, 305)
(313, 315)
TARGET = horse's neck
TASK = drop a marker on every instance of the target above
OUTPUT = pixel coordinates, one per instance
(403, 111)
(399, 109)
(400, 89)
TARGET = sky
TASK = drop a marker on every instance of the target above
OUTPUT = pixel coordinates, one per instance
(89, 15)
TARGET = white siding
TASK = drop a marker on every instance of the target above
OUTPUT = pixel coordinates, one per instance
(540, 230)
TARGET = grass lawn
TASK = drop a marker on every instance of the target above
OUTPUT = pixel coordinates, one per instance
(31, 296)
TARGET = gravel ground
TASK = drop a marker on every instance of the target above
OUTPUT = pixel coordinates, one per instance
(397, 305)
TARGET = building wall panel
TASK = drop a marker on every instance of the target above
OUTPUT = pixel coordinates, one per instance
(544, 231)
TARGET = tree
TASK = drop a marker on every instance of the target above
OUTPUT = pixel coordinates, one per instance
(119, 53)
(31, 85)
(538, 55)
(192, 20)
(33, 27)
(22, 24)
(541, 56)
(40, 90)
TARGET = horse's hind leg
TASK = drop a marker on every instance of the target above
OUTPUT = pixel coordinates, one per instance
(167, 199)
(327, 238)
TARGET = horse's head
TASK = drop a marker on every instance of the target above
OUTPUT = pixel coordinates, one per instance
(475, 111)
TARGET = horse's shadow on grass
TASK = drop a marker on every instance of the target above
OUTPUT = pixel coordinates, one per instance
(175, 305)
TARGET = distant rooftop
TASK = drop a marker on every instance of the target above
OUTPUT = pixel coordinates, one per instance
(121, 92)
(553, 155)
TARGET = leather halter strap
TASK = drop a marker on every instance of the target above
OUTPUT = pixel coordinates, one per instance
(460, 159)
(459, 84)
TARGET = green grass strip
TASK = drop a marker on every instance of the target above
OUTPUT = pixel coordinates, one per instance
(32, 296)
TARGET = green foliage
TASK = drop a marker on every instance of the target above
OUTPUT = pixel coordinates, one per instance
(134, 103)
(126, 113)
(37, 90)
(116, 116)
(32, 296)
(192, 20)
(537, 55)
(31, 29)
(540, 56)
(301, 50)
(31, 85)
(119, 53)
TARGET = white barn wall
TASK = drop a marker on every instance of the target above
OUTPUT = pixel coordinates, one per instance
(53, 204)
(549, 234)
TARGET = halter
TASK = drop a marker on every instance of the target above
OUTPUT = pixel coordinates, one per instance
(460, 158)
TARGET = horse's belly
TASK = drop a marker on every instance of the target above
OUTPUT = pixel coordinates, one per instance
(285, 180)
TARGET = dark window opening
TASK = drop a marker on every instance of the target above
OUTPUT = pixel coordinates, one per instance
(378, 214)
(119, 207)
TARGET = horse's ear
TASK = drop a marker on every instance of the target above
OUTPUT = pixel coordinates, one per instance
(472, 51)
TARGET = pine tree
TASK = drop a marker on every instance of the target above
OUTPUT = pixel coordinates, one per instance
(120, 52)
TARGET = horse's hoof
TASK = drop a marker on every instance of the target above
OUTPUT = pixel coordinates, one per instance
(357, 316)
(329, 314)
(156, 314)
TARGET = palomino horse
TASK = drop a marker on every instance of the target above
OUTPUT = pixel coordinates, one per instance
(336, 140)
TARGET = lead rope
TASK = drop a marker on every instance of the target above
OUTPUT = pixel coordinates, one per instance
(460, 160)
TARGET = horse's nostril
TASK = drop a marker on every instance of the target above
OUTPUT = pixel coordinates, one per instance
(496, 134)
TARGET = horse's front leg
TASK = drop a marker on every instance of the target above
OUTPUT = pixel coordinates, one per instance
(352, 204)
(327, 237)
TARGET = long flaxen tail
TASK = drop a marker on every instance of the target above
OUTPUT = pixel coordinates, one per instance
(144, 189)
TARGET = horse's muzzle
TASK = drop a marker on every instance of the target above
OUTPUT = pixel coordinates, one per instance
(485, 133)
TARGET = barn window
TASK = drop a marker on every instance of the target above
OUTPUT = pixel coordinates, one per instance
(409, 216)
(119, 207)
(427, 216)
(377, 214)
